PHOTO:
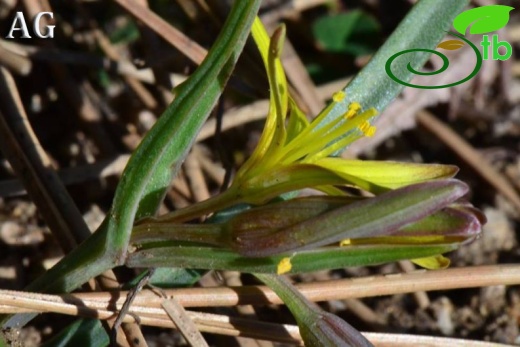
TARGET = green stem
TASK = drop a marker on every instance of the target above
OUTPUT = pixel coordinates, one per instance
(215, 203)
(155, 232)
(317, 327)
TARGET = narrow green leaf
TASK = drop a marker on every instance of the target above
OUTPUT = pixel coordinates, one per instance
(482, 20)
(151, 168)
(211, 258)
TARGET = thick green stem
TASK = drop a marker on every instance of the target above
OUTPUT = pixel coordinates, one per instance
(317, 327)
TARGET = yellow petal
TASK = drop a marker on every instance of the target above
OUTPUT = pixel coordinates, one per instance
(297, 121)
(432, 263)
(380, 176)
(261, 38)
(274, 134)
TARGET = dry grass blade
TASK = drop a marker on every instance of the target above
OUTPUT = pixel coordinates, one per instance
(205, 322)
(14, 62)
(300, 79)
(421, 297)
(402, 340)
(183, 322)
(196, 179)
(176, 38)
(21, 147)
(73, 90)
(456, 278)
(104, 43)
(219, 324)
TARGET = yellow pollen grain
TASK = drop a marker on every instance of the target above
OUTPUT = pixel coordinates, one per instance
(284, 266)
(346, 242)
(339, 96)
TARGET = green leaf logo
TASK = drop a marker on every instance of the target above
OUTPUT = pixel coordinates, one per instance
(482, 19)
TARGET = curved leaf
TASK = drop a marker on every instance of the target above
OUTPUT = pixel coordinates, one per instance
(482, 19)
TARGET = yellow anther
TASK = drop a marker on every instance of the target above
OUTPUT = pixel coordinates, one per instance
(371, 131)
(364, 127)
(367, 129)
(339, 96)
(284, 266)
(353, 109)
(355, 106)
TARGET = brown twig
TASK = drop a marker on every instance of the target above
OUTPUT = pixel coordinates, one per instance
(14, 62)
(421, 297)
(173, 36)
(300, 79)
(104, 42)
(196, 179)
(184, 323)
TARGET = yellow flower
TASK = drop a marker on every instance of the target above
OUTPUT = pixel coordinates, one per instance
(294, 153)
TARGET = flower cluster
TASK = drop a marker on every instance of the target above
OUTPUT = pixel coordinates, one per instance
(294, 153)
